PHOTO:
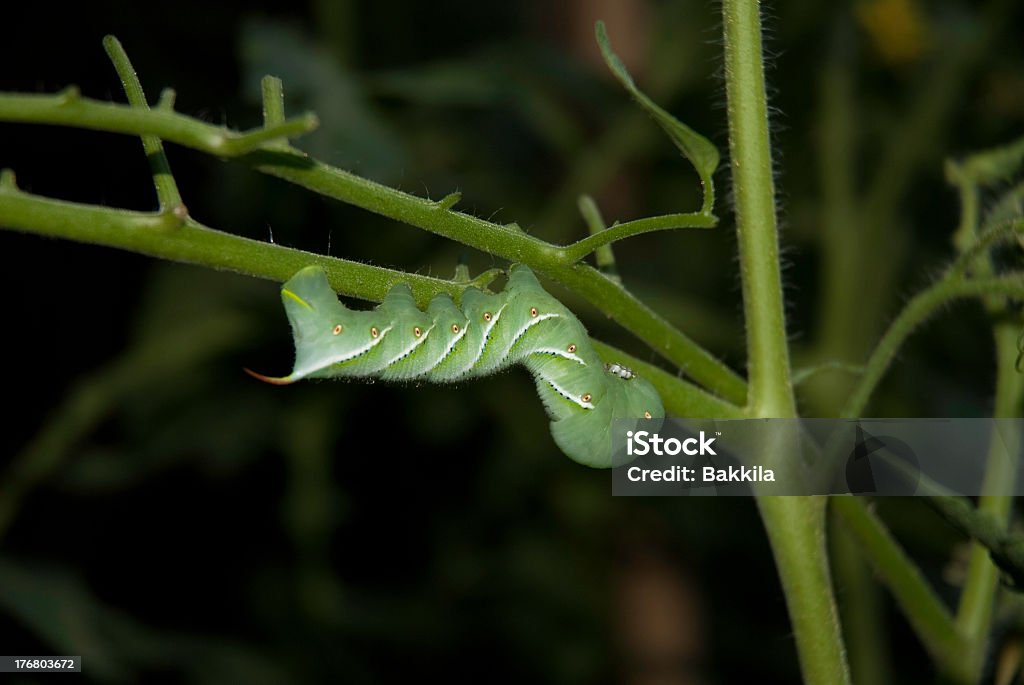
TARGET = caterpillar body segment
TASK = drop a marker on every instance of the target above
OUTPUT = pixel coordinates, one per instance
(522, 325)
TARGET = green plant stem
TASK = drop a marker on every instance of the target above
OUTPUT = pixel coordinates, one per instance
(861, 608)
(796, 531)
(580, 249)
(770, 392)
(69, 108)
(168, 236)
(919, 309)
(295, 166)
(1006, 549)
(273, 106)
(970, 199)
(604, 256)
(974, 258)
(927, 615)
(974, 615)
(166, 189)
(840, 266)
(795, 525)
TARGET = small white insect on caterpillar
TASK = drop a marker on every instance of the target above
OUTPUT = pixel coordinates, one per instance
(620, 371)
(523, 324)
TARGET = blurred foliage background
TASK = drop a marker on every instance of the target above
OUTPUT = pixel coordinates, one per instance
(170, 519)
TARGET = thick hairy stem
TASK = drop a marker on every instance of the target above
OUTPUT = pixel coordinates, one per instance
(796, 530)
(770, 391)
(795, 525)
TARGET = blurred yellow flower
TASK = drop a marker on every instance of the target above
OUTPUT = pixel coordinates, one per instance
(898, 29)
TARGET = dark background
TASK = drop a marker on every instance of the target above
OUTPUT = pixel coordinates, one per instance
(170, 519)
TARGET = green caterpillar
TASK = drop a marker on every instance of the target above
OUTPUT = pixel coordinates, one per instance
(523, 324)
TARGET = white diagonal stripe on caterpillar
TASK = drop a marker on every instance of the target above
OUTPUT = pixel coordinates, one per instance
(523, 331)
(558, 352)
(342, 359)
(448, 350)
(412, 348)
(485, 339)
(565, 393)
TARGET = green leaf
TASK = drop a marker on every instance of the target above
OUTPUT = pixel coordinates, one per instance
(699, 150)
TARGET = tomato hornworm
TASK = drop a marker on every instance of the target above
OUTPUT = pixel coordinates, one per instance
(523, 324)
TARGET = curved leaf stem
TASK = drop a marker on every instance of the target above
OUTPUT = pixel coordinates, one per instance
(582, 248)
(919, 309)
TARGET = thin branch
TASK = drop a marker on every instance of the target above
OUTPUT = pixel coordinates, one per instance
(1006, 549)
(163, 180)
(273, 106)
(582, 248)
(166, 235)
(969, 258)
(69, 108)
(604, 257)
(929, 617)
(917, 311)
(977, 601)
